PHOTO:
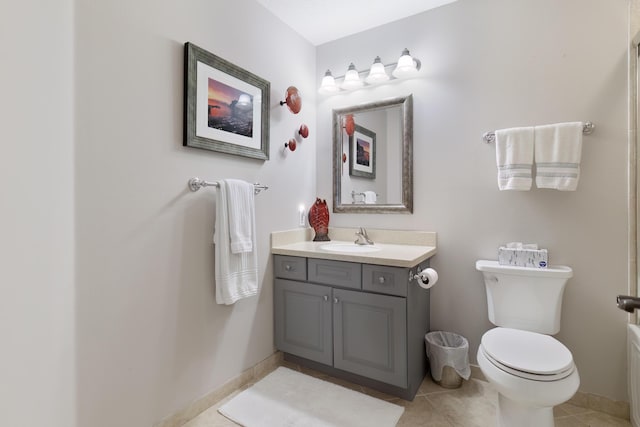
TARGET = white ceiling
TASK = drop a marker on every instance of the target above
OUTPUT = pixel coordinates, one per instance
(321, 21)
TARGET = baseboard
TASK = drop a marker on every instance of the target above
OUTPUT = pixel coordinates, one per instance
(611, 407)
(248, 376)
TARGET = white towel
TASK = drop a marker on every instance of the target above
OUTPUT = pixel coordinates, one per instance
(370, 197)
(514, 157)
(240, 202)
(236, 274)
(558, 149)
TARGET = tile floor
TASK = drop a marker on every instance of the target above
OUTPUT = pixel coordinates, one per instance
(472, 405)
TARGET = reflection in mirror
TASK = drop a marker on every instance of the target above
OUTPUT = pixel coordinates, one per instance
(373, 157)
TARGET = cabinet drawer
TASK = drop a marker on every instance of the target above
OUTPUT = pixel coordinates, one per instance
(290, 267)
(335, 273)
(385, 280)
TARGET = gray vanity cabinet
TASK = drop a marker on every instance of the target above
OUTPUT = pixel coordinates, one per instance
(362, 322)
(369, 335)
(303, 320)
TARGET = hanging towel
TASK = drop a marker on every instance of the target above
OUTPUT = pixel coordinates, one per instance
(514, 157)
(370, 197)
(236, 273)
(240, 198)
(558, 149)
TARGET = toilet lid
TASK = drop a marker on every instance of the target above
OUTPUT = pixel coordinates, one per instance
(530, 354)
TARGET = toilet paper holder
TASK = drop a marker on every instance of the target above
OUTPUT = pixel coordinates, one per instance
(426, 277)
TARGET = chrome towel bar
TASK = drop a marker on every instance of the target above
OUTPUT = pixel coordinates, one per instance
(587, 128)
(196, 183)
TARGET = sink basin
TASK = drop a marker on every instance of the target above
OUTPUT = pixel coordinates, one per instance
(349, 247)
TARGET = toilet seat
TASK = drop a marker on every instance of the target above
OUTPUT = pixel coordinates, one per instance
(526, 354)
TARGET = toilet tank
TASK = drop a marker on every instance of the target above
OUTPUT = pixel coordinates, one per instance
(523, 297)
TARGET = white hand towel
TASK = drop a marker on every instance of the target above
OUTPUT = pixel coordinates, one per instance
(558, 149)
(514, 157)
(236, 274)
(240, 198)
(370, 197)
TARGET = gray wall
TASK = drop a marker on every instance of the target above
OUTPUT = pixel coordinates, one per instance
(491, 64)
(139, 315)
(151, 338)
(36, 214)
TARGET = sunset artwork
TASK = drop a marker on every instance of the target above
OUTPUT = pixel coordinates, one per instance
(226, 108)
(229, 109)
(362, 145)
(363, 149)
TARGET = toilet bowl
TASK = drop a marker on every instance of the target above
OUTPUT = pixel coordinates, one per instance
(531, 370)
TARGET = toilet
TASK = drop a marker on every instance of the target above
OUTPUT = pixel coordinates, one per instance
(530, 369)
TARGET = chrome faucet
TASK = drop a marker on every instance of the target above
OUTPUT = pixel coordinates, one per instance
(362, 238)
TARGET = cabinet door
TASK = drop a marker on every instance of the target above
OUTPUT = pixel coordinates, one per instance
(370, 335)
(303, 320)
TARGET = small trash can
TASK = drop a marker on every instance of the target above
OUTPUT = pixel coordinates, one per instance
(448, 355)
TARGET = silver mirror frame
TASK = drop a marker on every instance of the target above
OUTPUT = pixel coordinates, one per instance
(406, 104)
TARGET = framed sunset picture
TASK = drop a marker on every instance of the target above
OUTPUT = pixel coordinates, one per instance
(362, 146)
(226, 108)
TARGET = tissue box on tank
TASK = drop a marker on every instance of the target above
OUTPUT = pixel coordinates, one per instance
(537, 258)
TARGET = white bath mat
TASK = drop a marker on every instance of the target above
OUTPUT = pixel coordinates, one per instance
(287, 398)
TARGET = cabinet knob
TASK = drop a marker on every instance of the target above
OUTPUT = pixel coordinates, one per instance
(381, 279)
(335, 300)
(326, 298)
(287, 267)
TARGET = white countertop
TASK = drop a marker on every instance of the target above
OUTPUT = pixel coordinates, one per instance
(393, 251)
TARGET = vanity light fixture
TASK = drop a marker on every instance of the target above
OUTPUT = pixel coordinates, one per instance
(352, 79)
(406, 67)
(377, 73)
(328, 84)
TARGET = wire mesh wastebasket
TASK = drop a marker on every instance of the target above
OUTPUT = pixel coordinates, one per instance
(448, 355)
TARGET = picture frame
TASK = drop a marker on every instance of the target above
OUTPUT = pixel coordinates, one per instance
(362, 150)
(226, 108)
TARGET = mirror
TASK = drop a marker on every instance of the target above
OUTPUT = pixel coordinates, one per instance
(373, 157)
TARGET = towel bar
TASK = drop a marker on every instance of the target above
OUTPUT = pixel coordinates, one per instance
(490, 137)
(196, 183)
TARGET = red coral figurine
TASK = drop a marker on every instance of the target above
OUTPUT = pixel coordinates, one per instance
(319, 220)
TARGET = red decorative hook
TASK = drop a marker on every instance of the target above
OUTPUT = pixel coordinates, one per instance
(349, 124)
(291, 145)
(293, 100)
(304, 130)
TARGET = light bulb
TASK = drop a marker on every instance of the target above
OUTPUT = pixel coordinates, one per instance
(407, 66)
(328, 84)
(351, 78)
(377, 73)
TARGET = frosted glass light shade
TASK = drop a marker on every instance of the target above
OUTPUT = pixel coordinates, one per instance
(407, 66)
(328, 84)
(377, 73)
(352, 78)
